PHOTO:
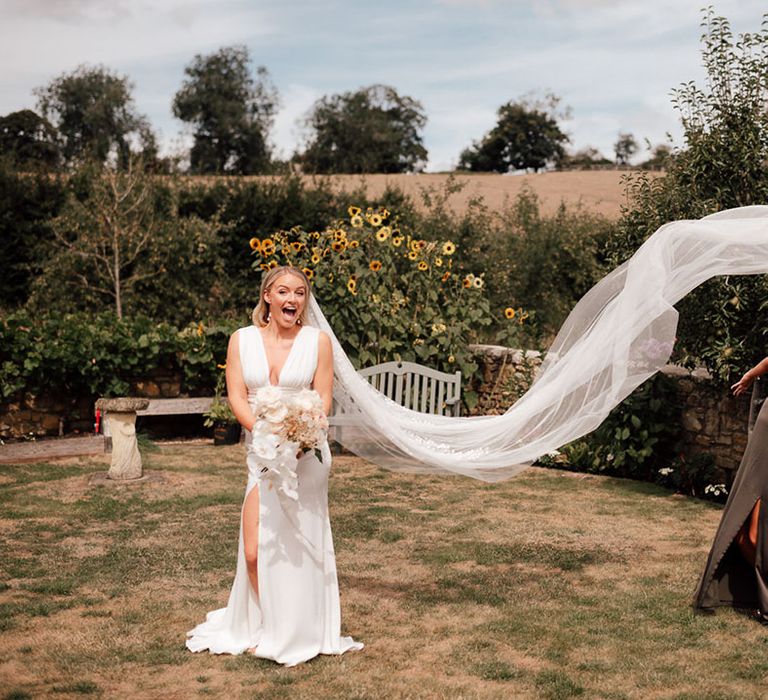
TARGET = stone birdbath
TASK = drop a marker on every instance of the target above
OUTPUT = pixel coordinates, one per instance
(121, 414)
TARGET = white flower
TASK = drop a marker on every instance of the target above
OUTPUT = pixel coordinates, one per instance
(264, 445)
(609, 457)
(276, 414)
(716, 489)
(269, 395)
(666, 471)
(553, 454)
(307, 399)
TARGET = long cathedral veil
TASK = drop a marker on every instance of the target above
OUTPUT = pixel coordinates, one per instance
(618, 335)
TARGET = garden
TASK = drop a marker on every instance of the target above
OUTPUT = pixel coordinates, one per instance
(573, 579)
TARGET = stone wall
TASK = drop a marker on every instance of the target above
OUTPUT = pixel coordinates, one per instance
(49, 415)
(711, 421)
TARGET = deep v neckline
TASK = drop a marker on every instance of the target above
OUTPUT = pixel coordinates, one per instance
(266, 356)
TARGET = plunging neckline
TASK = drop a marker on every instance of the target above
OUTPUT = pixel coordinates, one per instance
(266, 357)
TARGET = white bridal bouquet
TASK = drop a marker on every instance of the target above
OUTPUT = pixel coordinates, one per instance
(287, 421)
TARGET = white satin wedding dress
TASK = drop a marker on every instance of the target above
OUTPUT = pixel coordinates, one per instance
(297, 614)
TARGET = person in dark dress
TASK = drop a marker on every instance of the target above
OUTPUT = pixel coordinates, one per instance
(736, 573)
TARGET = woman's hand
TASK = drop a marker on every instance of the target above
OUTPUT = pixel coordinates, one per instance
(743, 384)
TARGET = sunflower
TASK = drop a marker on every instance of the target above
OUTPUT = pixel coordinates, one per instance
(438, 262)
(521, 318)
(352, 286)
(315, 235)
(338, 246)
(466, 282)
(255, 244)
(375, 219)
(297, 246)
(397, 241)
(267, 247)
(339, 234)
(353, 244)
(449, 248)
(445, 276)
(315, 258)
(420, 244)
(309, 273)
(383, 233)
(356, 221)
(353, 211)
(413, 255)
(271, 264)
(477, 283)
(423, 266)
(264, 266)
(509, 312)
(375, 265)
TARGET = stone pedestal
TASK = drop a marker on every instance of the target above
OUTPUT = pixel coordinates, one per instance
(121, 414)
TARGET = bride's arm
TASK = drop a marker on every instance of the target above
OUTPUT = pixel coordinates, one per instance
(237, 392)
(322, 382)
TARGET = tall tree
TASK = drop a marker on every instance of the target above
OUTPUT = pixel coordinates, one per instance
(28, 140)
(526, 137)
(722, 163)
(94, 113)
(230, 110)
(372, 130)
(625, 147)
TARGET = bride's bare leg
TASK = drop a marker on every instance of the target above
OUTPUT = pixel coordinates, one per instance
(251, 536)
(747, 537)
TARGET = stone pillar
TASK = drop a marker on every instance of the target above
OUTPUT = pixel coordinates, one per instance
(121, 414)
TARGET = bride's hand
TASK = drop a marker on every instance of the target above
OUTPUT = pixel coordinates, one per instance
(742, 385)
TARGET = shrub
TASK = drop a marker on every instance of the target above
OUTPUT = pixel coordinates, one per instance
(723, 165)
(636, 439)
(387, 293)
(544, 263)
(99, 355)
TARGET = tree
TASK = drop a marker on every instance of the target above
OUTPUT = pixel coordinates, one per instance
(723, 164)
(94, 113)
(526, 137)
(661, 155)
(28, 140)
(372, 130)
(119, 239)
(585, 159)
(625, 147)
(230, 110)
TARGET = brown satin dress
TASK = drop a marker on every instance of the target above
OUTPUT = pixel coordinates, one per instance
(728, 578)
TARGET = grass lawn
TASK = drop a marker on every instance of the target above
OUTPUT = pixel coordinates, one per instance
(550, 585)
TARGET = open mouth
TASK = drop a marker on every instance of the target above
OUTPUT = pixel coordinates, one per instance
(289, 312)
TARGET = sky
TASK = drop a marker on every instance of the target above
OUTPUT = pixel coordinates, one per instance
(612, 62)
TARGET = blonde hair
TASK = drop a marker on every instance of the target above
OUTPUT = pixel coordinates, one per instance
(260, 314)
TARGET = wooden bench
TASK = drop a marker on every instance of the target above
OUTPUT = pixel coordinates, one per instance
(170, 407)
(408, 384)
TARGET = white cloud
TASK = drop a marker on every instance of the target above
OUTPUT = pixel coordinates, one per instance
(287, 133)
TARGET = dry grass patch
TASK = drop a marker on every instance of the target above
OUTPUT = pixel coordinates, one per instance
(551, 585)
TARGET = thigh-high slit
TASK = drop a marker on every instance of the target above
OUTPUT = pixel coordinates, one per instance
(729, 578)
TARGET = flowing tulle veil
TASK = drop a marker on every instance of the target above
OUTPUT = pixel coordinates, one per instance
(618, 335)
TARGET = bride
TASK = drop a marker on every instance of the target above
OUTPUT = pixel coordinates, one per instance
(284, 602)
